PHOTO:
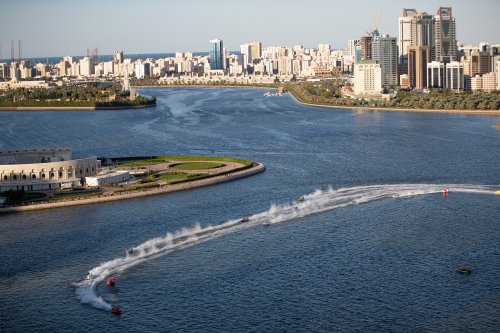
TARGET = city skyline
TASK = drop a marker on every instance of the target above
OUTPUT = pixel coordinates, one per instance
(164, 28)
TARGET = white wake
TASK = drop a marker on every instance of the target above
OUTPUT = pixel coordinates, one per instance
(316, 202)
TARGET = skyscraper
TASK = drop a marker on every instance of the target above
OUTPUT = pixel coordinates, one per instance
(387, 51)
(418, 57)
(247, 54)
(422, 31)
(351, 47)
(255, 50)
(216, 54)
(446, 42)
(404, 39)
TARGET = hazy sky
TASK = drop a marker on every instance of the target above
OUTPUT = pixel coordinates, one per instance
(60, 27)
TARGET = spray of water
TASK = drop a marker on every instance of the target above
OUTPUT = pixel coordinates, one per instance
(314, 203)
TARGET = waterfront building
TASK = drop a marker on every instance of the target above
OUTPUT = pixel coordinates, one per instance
(435, 74)
(476, 83)
(489, 82)
(418, 58)
(455, 76)
(43, 169)
(216, 54)
(423, 31)
(367, 78)
(387, 54)
(445, 40)
(116, 177)
(404, 81)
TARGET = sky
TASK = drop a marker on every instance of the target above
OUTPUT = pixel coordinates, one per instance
(68, 27)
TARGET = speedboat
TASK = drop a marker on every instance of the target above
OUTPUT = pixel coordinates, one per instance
(266, 223)
(116, 310)
(301, 198)
(130, 251)
(245, 219)
(111, 281)
(464, 270)
(395, 195)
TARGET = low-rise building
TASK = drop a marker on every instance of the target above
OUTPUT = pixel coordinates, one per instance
(116, 177)
(43, 169)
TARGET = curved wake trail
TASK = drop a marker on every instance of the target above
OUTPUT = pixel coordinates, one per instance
(316, 202)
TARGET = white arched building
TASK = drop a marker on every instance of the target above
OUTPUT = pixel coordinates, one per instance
(43, 169)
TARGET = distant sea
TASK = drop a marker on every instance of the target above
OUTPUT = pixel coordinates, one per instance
(108, 57)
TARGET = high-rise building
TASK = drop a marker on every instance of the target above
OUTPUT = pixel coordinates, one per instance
(498, 74)
(418, 57)
(246, 52)
(118, 57)
(255, 50)
(367, 78)
(422, 31)
(86, 66)
(351, 47)
(3, 70)
(404, 39)
(435, 74)
(216, 54)
(455, 76)
(366, 47)
(387, 51)
(445, 40)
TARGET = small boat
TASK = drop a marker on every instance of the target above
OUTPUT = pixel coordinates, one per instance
(111, 281)
(464, 270)
(445, 191)
(266, 223)
(245, 219)
(301, 198)
(116, 310)
(395, 195)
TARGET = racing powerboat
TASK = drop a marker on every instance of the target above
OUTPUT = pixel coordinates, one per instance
(116, 310)
(111, 281)
(245, 219)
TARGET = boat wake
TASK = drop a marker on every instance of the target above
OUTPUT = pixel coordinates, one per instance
(314, 203)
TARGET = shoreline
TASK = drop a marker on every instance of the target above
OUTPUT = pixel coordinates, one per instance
(73, 108)
(495, 113)
(255, 169)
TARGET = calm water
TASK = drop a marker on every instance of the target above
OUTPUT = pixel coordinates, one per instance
(383, 265)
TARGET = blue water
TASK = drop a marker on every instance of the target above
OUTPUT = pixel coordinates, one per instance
(380, 265)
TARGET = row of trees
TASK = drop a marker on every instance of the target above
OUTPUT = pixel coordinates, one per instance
(328, 93)
(89, 94)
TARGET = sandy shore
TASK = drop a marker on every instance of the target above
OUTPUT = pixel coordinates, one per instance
(108, 197)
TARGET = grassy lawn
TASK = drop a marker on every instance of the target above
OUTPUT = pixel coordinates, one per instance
(145, 162)
(196, 166)
(179, 177)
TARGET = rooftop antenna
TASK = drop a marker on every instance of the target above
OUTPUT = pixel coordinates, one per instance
(19, 54)
(12, 50)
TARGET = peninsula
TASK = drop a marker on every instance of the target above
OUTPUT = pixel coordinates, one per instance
(60, 182)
